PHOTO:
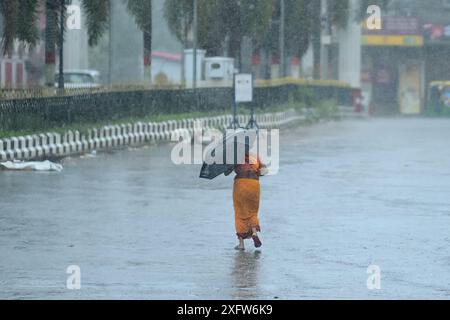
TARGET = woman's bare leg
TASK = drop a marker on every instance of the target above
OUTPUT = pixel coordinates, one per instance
(240, 246)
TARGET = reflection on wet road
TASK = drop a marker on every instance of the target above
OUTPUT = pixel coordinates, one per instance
(348, 195)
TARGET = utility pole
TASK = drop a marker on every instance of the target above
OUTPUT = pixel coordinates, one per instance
(194, 53)
(350, 49)
(183, 56)
(316, 36)
(282, 39)
(61, 45)
(110, 48)
(325, 40)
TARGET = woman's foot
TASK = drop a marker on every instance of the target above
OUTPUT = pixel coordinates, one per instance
(256, 240)
(240, 246)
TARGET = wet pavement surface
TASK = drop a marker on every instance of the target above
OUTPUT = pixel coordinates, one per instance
(348, 195)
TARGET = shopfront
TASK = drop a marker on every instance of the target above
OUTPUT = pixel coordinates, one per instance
(393, 67)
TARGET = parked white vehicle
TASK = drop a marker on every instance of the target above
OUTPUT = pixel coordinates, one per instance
(75, 79)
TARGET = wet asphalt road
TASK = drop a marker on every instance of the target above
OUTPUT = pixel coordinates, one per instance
(348, 195)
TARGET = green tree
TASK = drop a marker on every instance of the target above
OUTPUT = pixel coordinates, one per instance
(179, 15)
(97, 14)
(142, 12)
(97, 18)
(298, 27)
(19, 18)
(338, 12)
(52, 30)
(236, 19)
(221, 22)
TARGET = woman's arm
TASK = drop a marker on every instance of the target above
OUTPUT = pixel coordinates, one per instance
(230, 169)
(263, 170)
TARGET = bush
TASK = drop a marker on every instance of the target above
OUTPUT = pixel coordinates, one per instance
(305, 96)
(327, 109)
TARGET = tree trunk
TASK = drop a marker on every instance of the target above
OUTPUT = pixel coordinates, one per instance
(50, 42)
(316, 37)
(235, 49)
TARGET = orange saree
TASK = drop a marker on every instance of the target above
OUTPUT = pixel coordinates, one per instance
(246, 197)
(246, 194)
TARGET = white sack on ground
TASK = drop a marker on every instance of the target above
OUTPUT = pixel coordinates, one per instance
(31, 166)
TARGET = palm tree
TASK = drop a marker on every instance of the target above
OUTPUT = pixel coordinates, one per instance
(19, 22)
(338, 12)
(297, 30)
(142, 12)
(97, 13)
(221, 22)
(20, 16)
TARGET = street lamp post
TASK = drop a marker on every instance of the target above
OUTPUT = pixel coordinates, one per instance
(110, 47)
(194, 51)
(61, 45)
(325, 40)
(282, 39)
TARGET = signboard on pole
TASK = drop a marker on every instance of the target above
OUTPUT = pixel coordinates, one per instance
(243, 87)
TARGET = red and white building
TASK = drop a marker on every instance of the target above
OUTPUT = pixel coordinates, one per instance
(23, 68)
(12, 69)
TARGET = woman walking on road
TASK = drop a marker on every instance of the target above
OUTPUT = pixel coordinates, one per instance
(246, 196)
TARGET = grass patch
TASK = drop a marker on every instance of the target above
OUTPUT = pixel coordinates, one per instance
(325, 108)
(84, 127)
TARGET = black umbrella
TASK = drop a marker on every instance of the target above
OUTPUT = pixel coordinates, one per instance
(239, 139)
(211, 171)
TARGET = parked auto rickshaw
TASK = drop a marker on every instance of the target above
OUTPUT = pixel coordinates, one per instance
(439, 98)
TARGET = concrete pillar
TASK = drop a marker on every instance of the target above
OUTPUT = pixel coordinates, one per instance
(2, 151)
(350, 49)
(246, 55)
(325, 41)
(307, 63)
(127, 46)
(189, 65)
(76, 45)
